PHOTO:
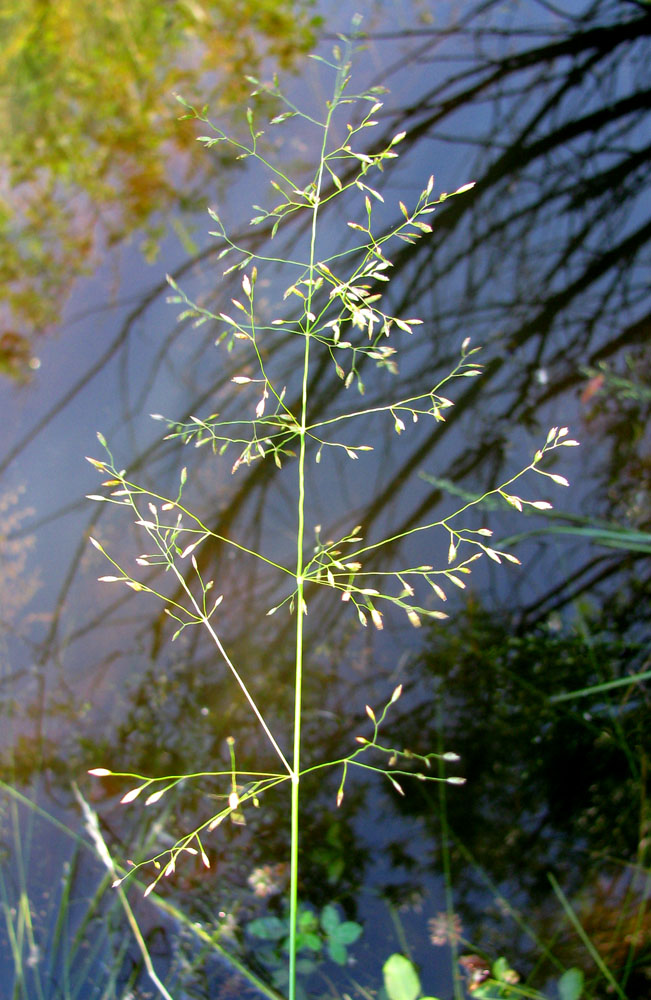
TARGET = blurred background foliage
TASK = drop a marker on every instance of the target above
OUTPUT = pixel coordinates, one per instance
(91, 151)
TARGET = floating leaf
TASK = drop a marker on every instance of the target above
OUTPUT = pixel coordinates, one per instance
(400, 978)
(570, 985)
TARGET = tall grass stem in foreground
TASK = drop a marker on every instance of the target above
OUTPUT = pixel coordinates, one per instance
(332, 303)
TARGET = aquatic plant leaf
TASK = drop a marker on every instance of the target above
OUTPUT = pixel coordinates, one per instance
(400, 978)
(330, 919)
(570, 985)
(337, 952)
(347, 932)
(267, 928)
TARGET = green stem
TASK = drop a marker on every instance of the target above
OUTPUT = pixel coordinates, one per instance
(445, 857)
(298, 685)
(298, 675)
(300, 540)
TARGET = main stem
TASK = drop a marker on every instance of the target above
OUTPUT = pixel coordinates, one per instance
(298, 686)
(300, 584)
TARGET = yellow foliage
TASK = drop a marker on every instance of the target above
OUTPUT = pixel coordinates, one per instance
(91, 149)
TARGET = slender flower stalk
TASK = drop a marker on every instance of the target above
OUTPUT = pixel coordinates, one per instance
(339, 318)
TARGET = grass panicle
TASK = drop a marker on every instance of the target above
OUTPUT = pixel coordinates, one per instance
(332, 304)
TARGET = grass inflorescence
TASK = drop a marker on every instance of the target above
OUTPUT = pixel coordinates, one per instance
(332, 305)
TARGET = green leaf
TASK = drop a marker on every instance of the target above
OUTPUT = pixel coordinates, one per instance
(570, 985)
(400, 978)
(305, 966)
(337, 952)
(307, 920)
(309, 940)
(267, 928)
(280, 977)
(500, 969)
(330, 918)
(346, 933)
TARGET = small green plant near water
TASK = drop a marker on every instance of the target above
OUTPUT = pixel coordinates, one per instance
(486, 981)
(318, 935)
(401, 980)
(330, 304)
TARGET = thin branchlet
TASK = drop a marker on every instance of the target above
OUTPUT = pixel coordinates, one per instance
(332, 305)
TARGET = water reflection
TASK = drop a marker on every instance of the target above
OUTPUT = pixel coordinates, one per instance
(92, 151)
(543, 263)
(555, 783)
